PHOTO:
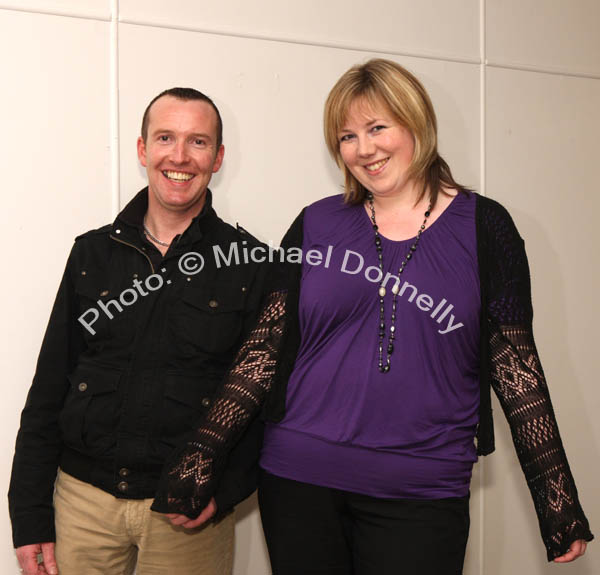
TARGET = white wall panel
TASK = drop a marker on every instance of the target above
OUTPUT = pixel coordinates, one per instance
(442, 29)
(552, 34)
(542, 152)
(86, 8)
(271, 97)
(55, 185)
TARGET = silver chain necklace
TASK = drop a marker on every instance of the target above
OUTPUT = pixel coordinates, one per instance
(153, 238)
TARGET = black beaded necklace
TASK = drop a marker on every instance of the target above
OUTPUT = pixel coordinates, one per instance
(384, 366)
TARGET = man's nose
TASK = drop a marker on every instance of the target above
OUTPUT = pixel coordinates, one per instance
(179, 153)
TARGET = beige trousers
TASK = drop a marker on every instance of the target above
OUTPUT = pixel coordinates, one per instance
(98, 534)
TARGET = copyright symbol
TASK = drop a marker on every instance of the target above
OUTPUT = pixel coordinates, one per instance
(191, 263)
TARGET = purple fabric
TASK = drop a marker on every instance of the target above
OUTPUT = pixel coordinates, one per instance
(410, 432)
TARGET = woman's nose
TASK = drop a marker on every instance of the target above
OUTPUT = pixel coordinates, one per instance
(365, 147)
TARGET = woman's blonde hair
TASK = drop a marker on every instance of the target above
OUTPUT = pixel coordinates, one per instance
(383, 83)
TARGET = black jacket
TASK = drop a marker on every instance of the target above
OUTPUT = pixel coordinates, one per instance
(111, 398)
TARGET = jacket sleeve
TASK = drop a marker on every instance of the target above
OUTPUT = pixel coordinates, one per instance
(240, 476)
(195, 470)
(39, 444)
(519, 383)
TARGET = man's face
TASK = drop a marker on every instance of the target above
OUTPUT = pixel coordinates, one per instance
(180, 153)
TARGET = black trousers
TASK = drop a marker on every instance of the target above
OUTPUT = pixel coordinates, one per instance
(312, 530)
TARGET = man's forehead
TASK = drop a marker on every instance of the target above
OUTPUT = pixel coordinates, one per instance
(168, 109)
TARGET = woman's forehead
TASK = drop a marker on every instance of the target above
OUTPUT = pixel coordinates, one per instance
(366, 108)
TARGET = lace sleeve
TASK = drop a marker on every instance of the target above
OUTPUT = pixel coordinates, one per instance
(191, 475)
(519, 383)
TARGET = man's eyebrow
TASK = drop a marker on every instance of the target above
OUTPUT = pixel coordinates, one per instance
(159, 131)
(201, 135)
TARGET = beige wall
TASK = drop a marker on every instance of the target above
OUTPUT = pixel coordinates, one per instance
(515, 84)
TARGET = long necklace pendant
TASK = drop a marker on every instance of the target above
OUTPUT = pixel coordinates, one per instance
(384, 365)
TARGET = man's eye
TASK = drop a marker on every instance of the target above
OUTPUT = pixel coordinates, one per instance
(199, 142)
(163, 138)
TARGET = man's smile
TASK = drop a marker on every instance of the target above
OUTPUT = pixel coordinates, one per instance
(177, 176)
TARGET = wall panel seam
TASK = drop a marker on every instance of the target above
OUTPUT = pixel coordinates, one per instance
(233, 33)
(114, 110)
(541, 70)
(482, 169)
(63, 13)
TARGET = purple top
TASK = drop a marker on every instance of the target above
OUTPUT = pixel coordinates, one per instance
(410, 432)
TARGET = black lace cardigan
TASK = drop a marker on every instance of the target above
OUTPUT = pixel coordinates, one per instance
(510, 364)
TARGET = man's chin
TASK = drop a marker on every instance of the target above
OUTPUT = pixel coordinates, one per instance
(182, 202)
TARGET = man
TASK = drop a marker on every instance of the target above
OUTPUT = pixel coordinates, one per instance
(145, 323)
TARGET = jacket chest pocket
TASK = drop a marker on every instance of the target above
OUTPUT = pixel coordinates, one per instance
(106, 309)
(208, 321)
(90, 414)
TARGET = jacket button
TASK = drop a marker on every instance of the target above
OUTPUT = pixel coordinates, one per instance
(103, 293)
(244, 288)
(123, 486)
(135, 276)
(83, 272)
(213, 303)
(205, 401)
(124, 472)
(82, 386)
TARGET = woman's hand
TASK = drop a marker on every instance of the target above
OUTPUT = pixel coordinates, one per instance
(185, 521)
(577, 549)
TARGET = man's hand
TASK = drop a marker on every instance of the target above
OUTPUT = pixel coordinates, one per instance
(28, 559)
(184, 521)
(577, 549)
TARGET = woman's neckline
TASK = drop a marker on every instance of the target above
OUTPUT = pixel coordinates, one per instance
(365, 208)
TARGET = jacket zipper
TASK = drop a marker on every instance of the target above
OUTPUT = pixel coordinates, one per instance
(135, 248)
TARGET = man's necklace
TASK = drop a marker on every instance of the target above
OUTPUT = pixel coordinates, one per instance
(384, 364)
(153, 238)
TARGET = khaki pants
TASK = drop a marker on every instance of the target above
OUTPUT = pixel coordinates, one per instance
(98, 534)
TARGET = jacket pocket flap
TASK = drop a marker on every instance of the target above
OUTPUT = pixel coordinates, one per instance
(91, 382)
(219, 300)
(193, 391)
(92, 285)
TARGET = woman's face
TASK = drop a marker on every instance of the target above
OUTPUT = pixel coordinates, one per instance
(376, 148)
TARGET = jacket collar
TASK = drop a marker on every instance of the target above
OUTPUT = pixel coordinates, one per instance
(129, 224)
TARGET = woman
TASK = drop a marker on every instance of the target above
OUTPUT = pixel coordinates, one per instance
(379, 351)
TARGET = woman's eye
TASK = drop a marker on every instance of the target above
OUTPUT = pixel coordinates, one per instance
(346, 137)
(377, 128)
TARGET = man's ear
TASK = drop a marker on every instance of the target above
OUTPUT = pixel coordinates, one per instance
(219, 159)
(141, 151)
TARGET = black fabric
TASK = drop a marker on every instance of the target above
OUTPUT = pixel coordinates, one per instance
(313, 530)
(110, 407)
(509, 363)
(195, 468)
